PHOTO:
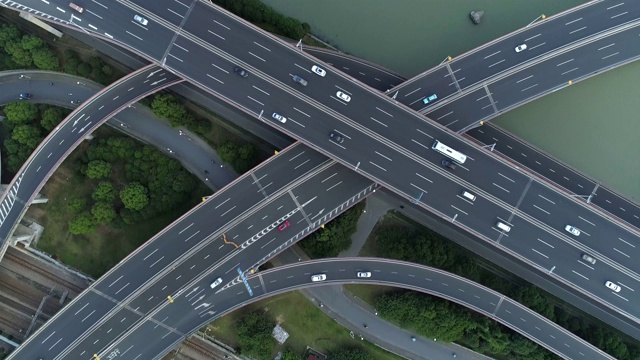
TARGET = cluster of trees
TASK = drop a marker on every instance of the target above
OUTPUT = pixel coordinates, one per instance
(25, 51)
(264, 16)
(27, 124)
(254, 337)
(336, 235)
(457, 324)
(153, 184)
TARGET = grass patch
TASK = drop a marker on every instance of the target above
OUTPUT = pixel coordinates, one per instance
(306, 324)
(96, 253)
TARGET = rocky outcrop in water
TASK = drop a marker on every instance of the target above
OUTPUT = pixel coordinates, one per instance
(476, 16)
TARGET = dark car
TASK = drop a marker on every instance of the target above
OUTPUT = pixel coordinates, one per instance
(299, 80)
(336, 137)
(25, 96)
(240, 71)
(448, 164)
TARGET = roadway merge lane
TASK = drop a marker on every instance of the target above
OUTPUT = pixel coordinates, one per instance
(166, 330)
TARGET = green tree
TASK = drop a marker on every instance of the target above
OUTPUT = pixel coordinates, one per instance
(30, 42)
(27, 135)
(98, 169)
(351, 354)
(9, 33)
(83, 224)
(76, 205)
(290, 355)
(45, 59)
(134, 196)
(103, 212)
(254, 335)
(168, 107)
(336, 235)
(105, 191)
(20, 113)
(51, 117)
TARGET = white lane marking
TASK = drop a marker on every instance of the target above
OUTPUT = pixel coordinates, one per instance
(413, 92)
(415, 141)
(295, 122)
(264, 47)
(93, 27)
(182, 17)
(622, 253)
(255, 100)
(536, 46)
(539, 253)
(615, 16)
(303, 68)
(527, 88)
(94, 14)
(549, 245)
(628, 243)
(577, 273)
(301, 112)
(572, 21)
(212, 33)
(494, 64)
(604, 47)
(506, 177)
(587, 221)
(376, 165)
(527, 78)
(565, 62)
(135, 36)
(490, 55)
(384, 112)
(541, 209)
(222, 203)
(615, 6)
(220, 81)
(424, 133)
(533, 37)
(459, 210)
(500, 187)
(386, 157)
(379, 122)
(95, 2)
(173, 56)
(258, 57)
(418, 187)
(108, 35)
(424, 178)
(566, 72)
(575, 31)
(180, 47)
(226, 212)
(262, 91)
(219, 68)
(608, 56)
(546, 199)
(221, 24)
(330, 188)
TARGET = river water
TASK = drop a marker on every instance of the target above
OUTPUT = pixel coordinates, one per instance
(589, 125)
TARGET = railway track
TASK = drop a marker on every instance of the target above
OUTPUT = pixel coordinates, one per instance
(10, 255)
(203, 350)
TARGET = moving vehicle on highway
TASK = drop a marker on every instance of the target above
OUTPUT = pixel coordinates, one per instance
(443, 149)
(318, 70)
(448, 164)
(336, 137)
(429, 99)
(469, 196)
(279, 117)
(25, 96)
(571, 230)
(364, 274)
(140, 20)
(502, 226)
(521, 47)
(318, 277)
(76, 7)
(216, 282)
(343, 96)
(588, 258)
(240, 71)
(284, 225)
(612, 286)
(299, 80)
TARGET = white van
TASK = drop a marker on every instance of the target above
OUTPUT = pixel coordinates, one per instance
(469, 196)
(502, 226)
(76, 7)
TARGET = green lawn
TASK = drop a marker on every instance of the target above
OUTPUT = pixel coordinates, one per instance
(306, 324)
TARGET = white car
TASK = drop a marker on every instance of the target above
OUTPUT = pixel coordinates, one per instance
(216, 282)
(318, 70)
(612, 286)
(343, 96)
(141, 20)
(279, 117)
(521, 47)
(571, 230)
(318, 277)
(364, 274)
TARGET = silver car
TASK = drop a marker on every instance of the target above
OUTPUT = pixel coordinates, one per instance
(318, 277)
(140, 20)
(343, 96)
(279, 117)
(588, 258)
(216, 282)
(319, 71)
(612, 286)
(571, 230)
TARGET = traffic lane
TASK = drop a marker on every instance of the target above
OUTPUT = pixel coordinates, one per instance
(581, 24)
(582, 61)
(373, 75)
(532, 158)
(302, 118)
(562, 258)
(480, 215)
(431, 84)
(217, 254)
(87, 344)
(623, 208)
(292, 165)
(173, 11)
(546, 332)
(71, 324)
(598, 233)
(464, 110)
(115, 21)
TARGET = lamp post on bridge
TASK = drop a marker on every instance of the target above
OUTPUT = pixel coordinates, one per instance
(541, 17)
(587, 197)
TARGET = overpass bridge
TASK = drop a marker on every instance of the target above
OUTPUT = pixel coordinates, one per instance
(290, 118)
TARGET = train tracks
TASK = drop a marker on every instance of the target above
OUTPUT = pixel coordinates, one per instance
(55, 278)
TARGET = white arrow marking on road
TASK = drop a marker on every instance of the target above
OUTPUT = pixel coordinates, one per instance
(200, 298)
(158, 82)
(84, 127)
(76, 122)
(153, 73)
(203, 304)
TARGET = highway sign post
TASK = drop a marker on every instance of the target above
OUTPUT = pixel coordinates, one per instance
(244, 280)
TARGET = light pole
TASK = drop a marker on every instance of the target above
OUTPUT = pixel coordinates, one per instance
(543, 16)
(588, 197)
(448, 58)
(491, 147)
